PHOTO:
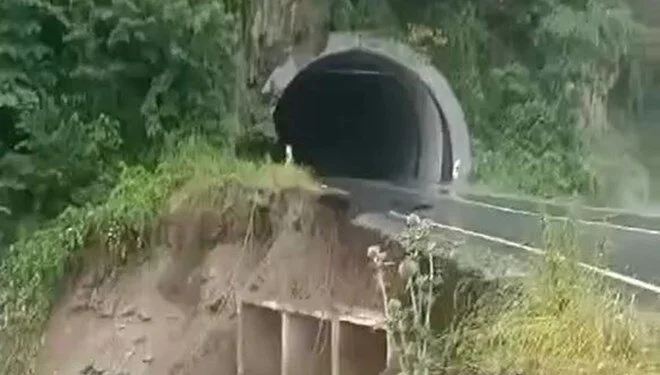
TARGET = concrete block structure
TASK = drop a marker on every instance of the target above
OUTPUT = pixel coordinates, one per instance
(280, 339)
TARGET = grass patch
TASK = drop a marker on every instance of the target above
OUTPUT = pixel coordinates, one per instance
(562, 321)
(32, 272)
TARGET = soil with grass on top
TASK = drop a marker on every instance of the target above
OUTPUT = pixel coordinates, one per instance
(173, 310)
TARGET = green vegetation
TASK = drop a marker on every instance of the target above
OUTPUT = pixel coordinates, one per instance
(410, 321)
(86, 85)
(560, 321)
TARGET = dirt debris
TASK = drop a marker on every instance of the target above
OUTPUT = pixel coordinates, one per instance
(175, 313)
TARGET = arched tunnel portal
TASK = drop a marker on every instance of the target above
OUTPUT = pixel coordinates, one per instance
(370, 108)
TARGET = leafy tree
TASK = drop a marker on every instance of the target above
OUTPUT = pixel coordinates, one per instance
(86, 83)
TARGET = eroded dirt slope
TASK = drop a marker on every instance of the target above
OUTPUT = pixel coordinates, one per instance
(131, 327)
(173, 312)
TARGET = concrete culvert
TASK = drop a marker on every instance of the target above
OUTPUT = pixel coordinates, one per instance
(370, 108)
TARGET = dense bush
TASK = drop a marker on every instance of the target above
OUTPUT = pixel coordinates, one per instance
(85, 83)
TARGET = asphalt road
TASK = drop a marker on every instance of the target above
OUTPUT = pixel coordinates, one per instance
(646, 220)
(510, 227)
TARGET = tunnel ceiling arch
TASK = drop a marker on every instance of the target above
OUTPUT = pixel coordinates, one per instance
(424, 86)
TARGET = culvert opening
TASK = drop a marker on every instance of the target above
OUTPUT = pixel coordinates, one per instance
(260, 335)
(359, 114)
(363, 351)
(303, 341)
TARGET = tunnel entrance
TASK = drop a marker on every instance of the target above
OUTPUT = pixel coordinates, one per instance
(351, 123)
(370, 108)
(355, 114)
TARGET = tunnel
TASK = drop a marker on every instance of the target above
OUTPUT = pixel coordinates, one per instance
(370, 109)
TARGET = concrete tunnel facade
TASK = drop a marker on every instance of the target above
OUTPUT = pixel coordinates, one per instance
(372, 108)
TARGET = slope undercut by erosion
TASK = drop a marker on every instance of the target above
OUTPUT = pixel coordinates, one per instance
(147, 282)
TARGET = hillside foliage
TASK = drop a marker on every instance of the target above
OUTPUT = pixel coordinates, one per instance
(533, 78)
(85, 84)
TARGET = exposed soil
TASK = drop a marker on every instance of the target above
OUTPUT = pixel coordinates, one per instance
(131, 327)
(174, 313)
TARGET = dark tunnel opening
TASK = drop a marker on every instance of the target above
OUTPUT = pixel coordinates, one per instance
(353, 125)
(357, 114)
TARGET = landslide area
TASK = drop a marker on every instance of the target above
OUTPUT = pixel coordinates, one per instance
(149, 283)
(173, 312)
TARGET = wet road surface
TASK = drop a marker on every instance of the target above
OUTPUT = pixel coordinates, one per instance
(507, 226)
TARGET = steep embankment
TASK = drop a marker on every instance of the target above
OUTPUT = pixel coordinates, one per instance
(172, 312)
(158, 297)
(146, 282)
